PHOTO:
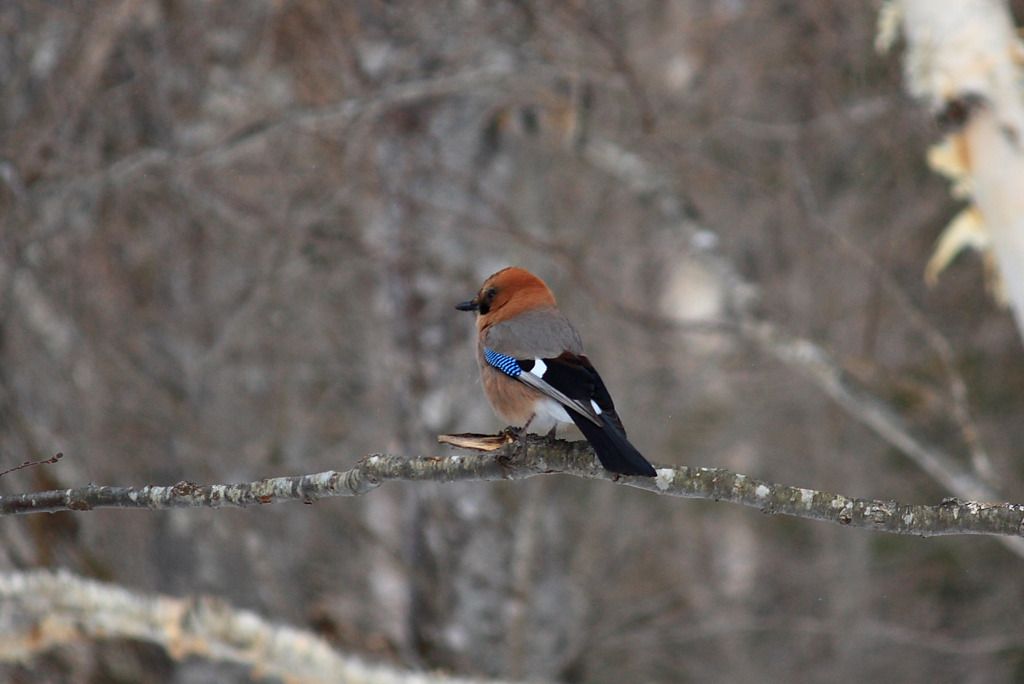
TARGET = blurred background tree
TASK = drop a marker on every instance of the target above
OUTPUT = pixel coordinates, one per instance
(232, 235)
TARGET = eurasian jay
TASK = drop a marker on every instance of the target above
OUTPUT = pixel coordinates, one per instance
(535, 373)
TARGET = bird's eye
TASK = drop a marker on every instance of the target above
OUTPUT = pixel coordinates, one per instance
(486, 299)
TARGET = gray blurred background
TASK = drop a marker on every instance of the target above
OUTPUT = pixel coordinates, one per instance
(232, 237)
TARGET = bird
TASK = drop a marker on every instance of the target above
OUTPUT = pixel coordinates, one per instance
(535, 373)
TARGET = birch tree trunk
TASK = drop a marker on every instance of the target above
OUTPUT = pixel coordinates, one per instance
(964, 59)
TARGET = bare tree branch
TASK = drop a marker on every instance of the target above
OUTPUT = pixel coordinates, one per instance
(43, 610)
(532, 456)
(958, 404)
(816, 364)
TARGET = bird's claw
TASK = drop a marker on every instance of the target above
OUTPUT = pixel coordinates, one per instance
(516, 447)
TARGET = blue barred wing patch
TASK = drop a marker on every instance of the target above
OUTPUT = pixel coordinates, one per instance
(506, 364)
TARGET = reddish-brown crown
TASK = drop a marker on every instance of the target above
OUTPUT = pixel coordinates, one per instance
(510, 292)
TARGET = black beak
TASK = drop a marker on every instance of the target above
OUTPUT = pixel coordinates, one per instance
(470, 305)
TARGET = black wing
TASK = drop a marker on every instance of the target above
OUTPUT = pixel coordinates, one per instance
(590, 406)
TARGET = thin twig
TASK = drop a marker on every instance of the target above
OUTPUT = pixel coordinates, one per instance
(29, 464)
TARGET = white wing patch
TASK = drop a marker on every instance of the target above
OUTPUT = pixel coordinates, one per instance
(597, 409)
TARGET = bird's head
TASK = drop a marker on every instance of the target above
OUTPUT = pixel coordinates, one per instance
(507, 293)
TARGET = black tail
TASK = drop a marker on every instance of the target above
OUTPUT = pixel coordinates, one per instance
(613, 449)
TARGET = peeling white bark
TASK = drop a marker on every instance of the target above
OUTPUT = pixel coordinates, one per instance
(967, 52)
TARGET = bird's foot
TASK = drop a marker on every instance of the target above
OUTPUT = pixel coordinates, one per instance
(515, 450)
(517, 434)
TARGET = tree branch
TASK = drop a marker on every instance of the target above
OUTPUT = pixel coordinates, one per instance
(518, 460)
(809, 358)
(43, 610)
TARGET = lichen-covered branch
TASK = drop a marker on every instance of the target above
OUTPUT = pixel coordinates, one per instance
(520, 459)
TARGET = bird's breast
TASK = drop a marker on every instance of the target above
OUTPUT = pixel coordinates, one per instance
(512, 400)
